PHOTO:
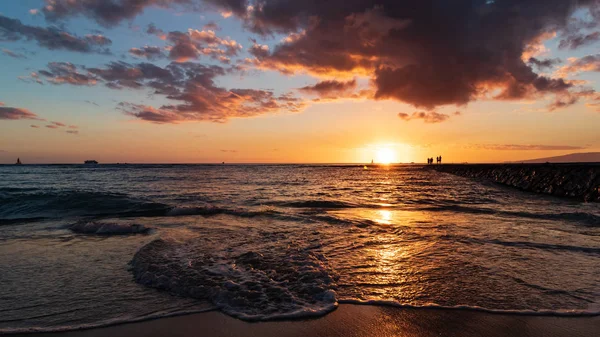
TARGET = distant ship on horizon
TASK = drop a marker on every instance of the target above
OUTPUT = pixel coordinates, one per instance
(18, 162)
(90, 162)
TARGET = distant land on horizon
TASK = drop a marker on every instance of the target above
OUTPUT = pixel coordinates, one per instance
(587, 157)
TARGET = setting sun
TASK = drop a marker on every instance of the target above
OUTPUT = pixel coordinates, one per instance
(385, 156)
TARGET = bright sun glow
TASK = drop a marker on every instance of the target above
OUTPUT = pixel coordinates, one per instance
(385, 156)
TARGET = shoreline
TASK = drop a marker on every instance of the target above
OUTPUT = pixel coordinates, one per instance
(353, 320)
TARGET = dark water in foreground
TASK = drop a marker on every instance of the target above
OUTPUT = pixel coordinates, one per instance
(264, 242)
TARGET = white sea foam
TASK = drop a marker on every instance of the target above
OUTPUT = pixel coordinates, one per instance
(284, 282)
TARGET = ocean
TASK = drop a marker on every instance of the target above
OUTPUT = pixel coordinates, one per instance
(88, 246)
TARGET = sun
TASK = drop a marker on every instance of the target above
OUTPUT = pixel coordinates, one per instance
(385, 156)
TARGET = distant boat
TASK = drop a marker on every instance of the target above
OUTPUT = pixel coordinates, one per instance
(91, 162)
(18, 162)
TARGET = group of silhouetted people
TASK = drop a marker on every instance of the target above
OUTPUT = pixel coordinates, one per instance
(438, 160)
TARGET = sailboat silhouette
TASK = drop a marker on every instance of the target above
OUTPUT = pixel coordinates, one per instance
(19, 162)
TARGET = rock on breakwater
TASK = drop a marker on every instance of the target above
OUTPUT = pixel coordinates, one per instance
(580, 181)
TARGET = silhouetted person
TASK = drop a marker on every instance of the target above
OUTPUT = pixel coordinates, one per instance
(440, 159)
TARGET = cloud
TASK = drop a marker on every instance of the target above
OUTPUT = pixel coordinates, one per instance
(578, 65)
(107, 13)
(34, 126)
(73, 132)
(259, 50)
(190, 88)
(147, 52)
(515, 147)
(430, 117)
(13, 54)
(427, 54)
(562, 101)
(59, 124)
(229, 151)
(543, 64)
(579, 40)
(33, 77)
(52, 38)
(17, 113)
(194, 43)
(67, 73)
(211, 26)
(153, 30)
(331, 87)
(52, 126)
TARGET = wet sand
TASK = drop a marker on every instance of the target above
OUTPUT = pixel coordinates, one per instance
(358, 320)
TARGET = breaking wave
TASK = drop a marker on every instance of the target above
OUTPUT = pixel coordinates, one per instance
(108, 228)
(280, 283)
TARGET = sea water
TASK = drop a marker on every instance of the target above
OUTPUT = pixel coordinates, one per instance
(85, 246)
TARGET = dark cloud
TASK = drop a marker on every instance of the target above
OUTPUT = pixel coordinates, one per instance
(425, 53)
(17, 113)
(259, 50)
(51, 38)
(515, 147)
(332, 87)
(52, 126)
(73, 132)
(430, 117)
(13, 54)
(544, 64)
(153, 30)
(579, 40)
(106, 12)
(195, 43)
(67, 73)
(149, 53)
(34, 126)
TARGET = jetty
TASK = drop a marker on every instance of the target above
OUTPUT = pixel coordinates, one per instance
(572, 180)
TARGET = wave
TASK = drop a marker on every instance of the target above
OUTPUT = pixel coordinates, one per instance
(542, 312)
(580, 217)
(55, 204)
(108, 228)
(209, 210)
(330, 204)
(537, 245)
(103, 324)
(282, 283)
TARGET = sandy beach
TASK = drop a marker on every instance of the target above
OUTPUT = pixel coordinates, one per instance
(357, 320)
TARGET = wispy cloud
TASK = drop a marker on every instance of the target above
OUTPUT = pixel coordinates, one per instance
(430, 117)
(52, 38)
(17, 113)
(518, 147)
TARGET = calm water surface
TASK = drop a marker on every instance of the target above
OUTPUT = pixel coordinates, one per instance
(89, 246)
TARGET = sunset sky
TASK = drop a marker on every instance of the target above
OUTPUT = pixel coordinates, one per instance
(287, 81)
